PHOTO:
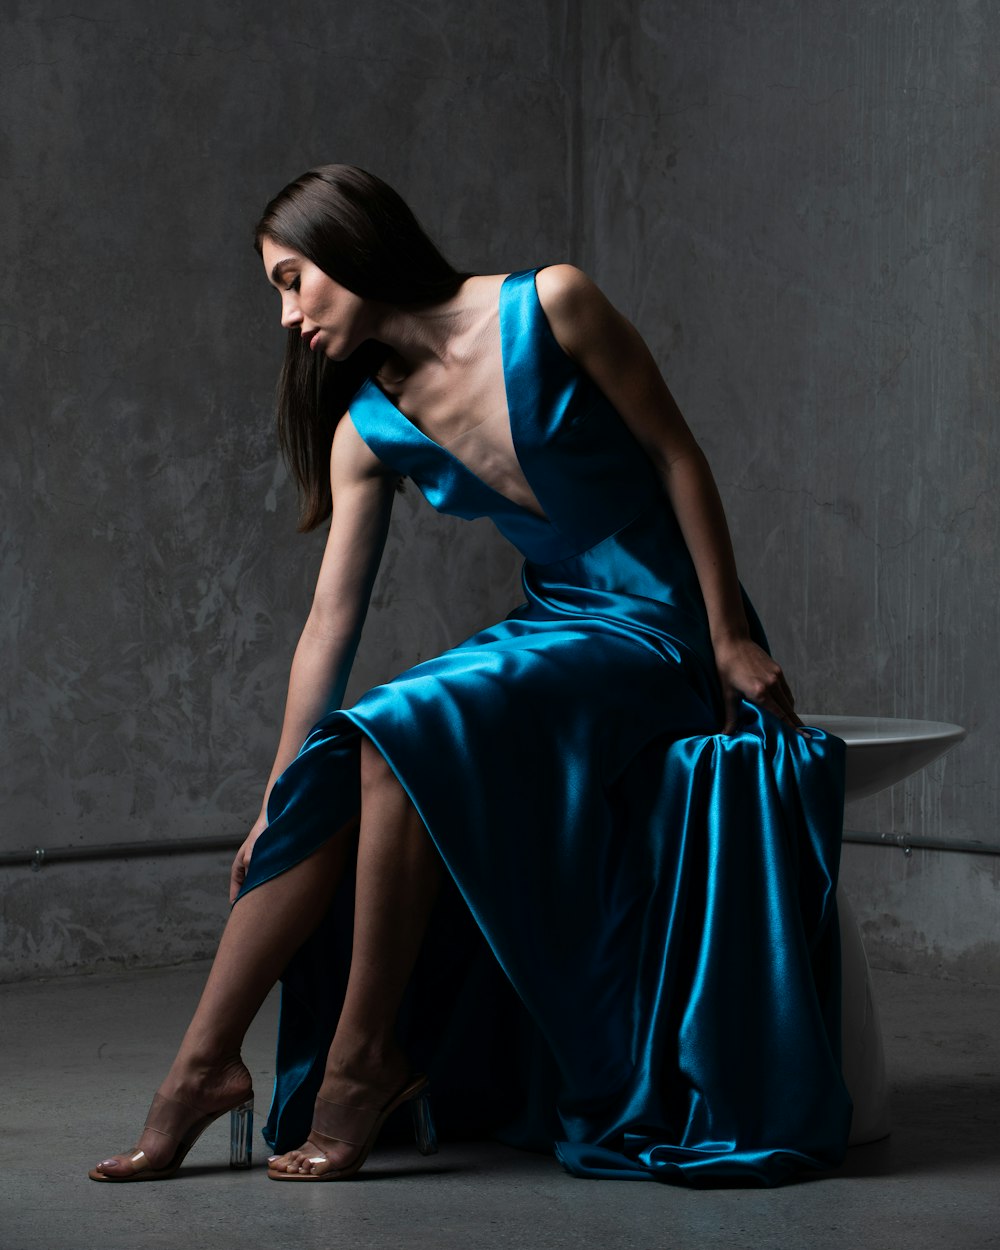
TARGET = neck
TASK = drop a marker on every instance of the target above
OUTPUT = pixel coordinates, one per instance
(417, 337)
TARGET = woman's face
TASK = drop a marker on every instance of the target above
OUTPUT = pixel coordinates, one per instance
(331, 319)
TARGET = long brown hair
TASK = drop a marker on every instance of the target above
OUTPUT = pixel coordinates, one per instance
(363, 235)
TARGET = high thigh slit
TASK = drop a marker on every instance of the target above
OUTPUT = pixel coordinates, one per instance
(635, 958)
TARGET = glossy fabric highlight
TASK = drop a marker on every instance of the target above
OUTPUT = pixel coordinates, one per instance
(636, 958)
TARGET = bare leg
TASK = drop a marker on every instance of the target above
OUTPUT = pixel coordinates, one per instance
(263, 931)
(398, 875)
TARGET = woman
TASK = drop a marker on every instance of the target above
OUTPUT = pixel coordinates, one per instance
(608, 795)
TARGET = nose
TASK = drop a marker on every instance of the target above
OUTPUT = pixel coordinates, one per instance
(291, 315)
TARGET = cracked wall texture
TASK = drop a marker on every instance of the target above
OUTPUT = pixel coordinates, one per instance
(799, 206)
(795, 203)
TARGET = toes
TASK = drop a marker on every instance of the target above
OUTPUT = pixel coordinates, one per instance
(291, 1162)
(308, 1160)
(117, 1167)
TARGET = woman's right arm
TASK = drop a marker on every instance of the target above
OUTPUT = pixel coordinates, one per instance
(363, 493)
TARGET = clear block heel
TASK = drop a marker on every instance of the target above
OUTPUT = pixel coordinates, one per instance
(241, 1135)
(172, 1119)
(423, 1124)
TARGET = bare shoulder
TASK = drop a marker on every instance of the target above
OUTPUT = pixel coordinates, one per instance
(352, 460)
(564, 289)
(576, 308)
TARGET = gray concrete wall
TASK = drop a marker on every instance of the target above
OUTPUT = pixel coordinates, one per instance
(798, 204)
(792, 201)
(153, 585)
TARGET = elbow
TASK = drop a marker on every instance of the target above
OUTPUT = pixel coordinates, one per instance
(681, 462)
(326, 625)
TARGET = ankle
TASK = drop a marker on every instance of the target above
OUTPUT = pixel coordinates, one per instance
(194, 1074)
(371, 1060)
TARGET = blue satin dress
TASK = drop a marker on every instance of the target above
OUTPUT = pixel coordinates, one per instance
(635, 959)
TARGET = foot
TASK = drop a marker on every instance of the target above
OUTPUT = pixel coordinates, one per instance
(207, 1090)
(354, 1093)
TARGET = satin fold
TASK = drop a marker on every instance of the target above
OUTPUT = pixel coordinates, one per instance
(635, 959)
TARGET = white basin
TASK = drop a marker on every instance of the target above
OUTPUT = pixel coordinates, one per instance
(882, 750)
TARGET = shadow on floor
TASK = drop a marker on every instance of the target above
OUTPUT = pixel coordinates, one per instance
(939, 1124)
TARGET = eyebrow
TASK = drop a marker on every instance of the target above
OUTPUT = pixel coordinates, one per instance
(280, 267)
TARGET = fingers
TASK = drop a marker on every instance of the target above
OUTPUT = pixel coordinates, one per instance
(774, 695)
(786, 692)
(786, 703)
(732, 710)
(237, 876)
(779, 702)
(782, 703)
(784, 712)
(748, 672)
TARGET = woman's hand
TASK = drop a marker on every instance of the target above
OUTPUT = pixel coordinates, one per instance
(746, 671)
(242, 861)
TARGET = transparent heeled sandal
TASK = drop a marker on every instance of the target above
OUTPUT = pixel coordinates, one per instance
(173, 1119)
(360, 1127)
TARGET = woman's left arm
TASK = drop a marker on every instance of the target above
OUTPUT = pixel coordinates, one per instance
(612, 352)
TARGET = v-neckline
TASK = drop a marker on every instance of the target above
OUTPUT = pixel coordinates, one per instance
(511, 424)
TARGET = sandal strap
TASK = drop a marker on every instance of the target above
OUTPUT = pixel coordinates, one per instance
(355, 1125)
(339, 1122)
(172, 1118)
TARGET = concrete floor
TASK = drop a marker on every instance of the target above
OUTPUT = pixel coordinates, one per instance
(81, 1057)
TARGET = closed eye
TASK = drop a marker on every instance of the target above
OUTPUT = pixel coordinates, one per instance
(283, 267)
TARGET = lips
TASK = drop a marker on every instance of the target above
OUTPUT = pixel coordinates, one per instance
(311, 339)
